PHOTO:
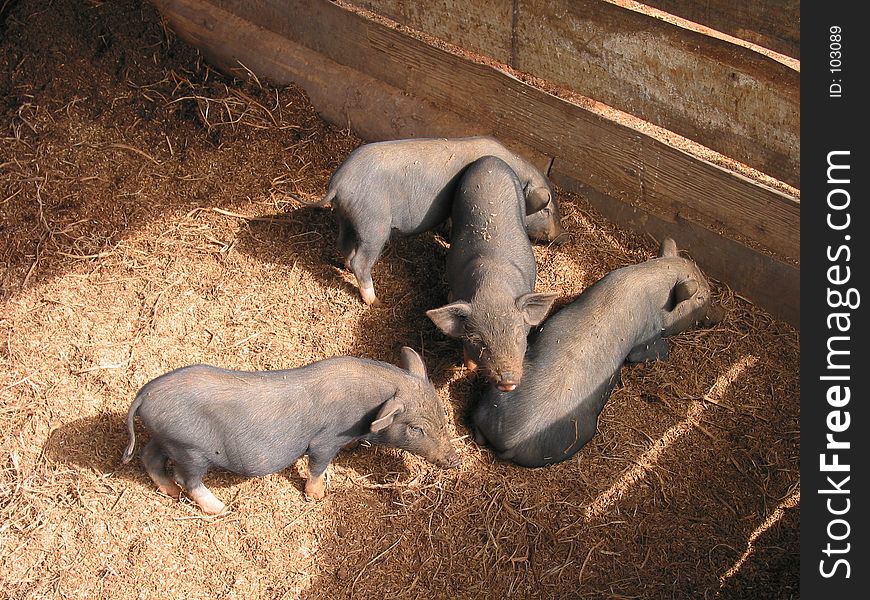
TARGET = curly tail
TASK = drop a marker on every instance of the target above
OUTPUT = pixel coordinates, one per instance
(134, 408)
(326, 199)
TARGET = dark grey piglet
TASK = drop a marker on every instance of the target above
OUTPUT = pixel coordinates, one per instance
(406, 186)
(254, 423)
(574, 361)
(491, 272)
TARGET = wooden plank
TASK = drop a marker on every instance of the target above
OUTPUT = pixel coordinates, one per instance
(623, 163)
(772, 24)
(729, 98)
(765, 280)
(616, 161)
(482, 26)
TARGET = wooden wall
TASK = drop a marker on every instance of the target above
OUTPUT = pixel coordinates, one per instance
(387, 83)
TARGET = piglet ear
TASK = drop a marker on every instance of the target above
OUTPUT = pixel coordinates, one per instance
(450, 319)
(685, 289)
(535, 307)
(413, 363)
(681, 292)
(386, 414)
(668, 247)
(536, 199)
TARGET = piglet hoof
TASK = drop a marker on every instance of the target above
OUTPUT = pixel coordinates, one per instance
(469, 363)
(171, 489)
(315, 489)
(368, 296)
(338, 264)
(208, 502)
(213, 508)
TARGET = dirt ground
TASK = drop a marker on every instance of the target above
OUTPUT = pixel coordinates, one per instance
(146, 225)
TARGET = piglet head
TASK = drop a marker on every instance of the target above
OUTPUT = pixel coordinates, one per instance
(494, 338)
(414, 419)
(545, 225)
(690, 303)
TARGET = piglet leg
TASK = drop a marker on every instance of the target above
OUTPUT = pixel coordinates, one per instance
(320, 454)
(362, 260)
(190, 472)
(154, 461)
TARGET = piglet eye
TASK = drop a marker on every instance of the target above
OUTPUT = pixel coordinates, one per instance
(415, 431)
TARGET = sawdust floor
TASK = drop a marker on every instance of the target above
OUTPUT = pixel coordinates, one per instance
(146, 225)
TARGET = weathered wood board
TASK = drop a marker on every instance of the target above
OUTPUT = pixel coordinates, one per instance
(738, 102)
(772, 24)
(731, 99)
(386, 84)
(483, 26)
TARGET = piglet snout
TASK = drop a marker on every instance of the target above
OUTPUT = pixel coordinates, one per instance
(561, 237)
(449, 459)
(506, 381)
(715, 314)
(451, 462)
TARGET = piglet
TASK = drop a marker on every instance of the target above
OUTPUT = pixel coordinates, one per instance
(406, 186)
(574, 360)
(255, 423)
(491, 272)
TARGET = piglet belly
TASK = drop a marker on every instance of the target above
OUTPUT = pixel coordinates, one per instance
(254, 458)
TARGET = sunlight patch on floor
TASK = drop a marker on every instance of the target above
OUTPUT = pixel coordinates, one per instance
(791, 501)
(648, 459)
